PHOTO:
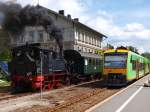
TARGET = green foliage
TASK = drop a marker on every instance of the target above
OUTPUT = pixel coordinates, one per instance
(3, 76)
(4, 83)
(133, 49)
(4, 46)
(146, 54)
(5, 55)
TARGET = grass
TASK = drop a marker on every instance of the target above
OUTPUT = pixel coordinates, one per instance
(4, 83)
(3, 80)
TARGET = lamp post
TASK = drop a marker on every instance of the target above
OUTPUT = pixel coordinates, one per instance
(41, 56)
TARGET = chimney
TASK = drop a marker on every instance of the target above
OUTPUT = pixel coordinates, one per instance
(61, 12)
(76, 19)
(69, 16)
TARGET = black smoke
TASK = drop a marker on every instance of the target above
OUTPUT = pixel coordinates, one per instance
(16, 18)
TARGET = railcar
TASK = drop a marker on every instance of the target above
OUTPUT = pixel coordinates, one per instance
(122, 66)
(33, 67)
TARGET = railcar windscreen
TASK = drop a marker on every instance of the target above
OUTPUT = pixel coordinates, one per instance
(115, 61)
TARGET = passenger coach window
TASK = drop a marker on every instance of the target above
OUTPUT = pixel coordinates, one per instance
(97, 62)
(94, 61)
(90, 61)
(86, 62)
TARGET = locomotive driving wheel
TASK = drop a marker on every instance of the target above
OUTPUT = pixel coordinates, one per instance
(50, 86)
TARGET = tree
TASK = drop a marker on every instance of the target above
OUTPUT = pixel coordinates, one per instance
(4, 45)
(146, 54)
(133, 49)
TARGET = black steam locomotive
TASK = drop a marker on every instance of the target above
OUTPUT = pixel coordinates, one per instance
(34, 67)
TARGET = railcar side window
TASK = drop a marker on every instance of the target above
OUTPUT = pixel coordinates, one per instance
(141, 66)
(133, 65)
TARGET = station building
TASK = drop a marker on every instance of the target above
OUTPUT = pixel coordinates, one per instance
(76, 35)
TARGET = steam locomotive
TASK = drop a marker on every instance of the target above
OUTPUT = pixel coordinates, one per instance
(34, 67)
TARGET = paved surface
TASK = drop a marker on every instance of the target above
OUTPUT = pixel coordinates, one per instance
(135, 98)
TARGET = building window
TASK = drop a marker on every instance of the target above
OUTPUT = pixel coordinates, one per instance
(92, 40)
(51, 38)
(95, 41)
(84, 37)
(79, 48)
(31, 36)
(89, 51)
(85, 50)
(79, 36)
(82, 49)
(76, 34)
(22, 39)
(40, 36)
(87, 39)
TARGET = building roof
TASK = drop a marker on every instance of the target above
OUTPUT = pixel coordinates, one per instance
(75, 22)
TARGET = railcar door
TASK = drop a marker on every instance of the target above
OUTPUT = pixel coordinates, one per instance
(137, 69)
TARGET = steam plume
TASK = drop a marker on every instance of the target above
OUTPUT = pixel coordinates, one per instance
(16, 18)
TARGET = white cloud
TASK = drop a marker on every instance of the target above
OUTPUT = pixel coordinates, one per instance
(134, 27)
(107, 26)
(73, 7)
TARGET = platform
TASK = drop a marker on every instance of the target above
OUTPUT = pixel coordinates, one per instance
(134, 98)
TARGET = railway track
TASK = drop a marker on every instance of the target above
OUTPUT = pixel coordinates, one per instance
(10, 96)
(70, 100)
(73, 104)
(5, 92)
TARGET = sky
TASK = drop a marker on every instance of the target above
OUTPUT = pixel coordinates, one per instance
(124, 22)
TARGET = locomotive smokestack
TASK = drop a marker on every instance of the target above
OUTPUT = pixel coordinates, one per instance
(16, 18)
